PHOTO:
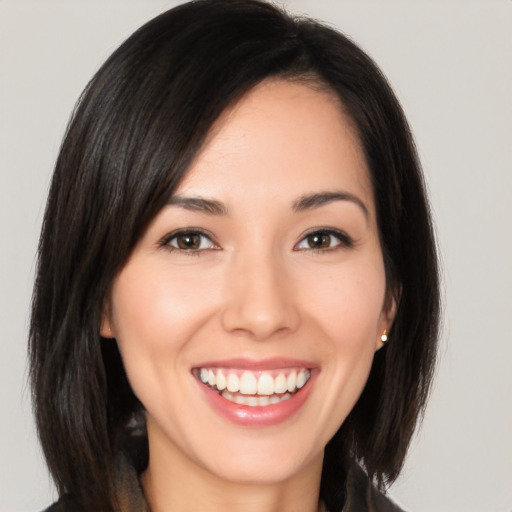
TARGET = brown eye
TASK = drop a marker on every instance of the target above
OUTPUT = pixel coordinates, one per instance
(324, 240)
(189, 241)
(319, 241)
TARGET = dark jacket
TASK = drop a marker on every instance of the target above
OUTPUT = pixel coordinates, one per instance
(362, 496)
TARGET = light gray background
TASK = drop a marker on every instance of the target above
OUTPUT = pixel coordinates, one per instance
(450, 64)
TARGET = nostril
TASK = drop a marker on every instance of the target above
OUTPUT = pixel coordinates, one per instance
(259, 301)
(256, 325)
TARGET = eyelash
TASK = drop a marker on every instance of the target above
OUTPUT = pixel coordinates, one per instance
(344, 241)
(166, 241)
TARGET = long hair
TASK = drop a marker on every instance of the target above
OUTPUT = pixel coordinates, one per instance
(134, 132)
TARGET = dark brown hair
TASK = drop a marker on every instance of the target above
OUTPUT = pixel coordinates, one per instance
(135, 130)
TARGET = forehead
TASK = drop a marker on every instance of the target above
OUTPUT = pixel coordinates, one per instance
(281, 140)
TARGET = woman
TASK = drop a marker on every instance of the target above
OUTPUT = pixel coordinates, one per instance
(236, 226)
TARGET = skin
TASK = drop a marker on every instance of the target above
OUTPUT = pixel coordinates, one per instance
(255, 288)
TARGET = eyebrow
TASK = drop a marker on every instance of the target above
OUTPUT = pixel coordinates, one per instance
(304, 203)
(199, 204)
(308, 202)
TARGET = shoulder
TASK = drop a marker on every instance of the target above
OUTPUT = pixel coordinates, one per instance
(129, 493)
(362, 495)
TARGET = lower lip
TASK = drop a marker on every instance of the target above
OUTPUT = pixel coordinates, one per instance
(264, 416)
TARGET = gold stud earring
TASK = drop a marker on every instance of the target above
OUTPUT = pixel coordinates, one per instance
(384, 337)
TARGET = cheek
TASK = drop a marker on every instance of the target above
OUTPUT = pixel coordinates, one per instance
(155, 313)
(348, 304)
(152, 308)
(346, 317)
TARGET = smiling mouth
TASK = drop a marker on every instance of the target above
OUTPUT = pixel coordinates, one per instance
(254, 388)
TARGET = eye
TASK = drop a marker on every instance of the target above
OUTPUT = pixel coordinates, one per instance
(324, 240)
(188, 241)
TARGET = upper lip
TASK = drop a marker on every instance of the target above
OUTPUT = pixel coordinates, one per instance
(274, 363)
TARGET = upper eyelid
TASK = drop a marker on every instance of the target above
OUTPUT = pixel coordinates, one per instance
(180, 231)
(344, 238)
(325, 229)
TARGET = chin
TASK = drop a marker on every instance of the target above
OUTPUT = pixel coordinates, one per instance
(260, 462)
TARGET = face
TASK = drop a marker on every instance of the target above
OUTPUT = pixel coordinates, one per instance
(249, 312)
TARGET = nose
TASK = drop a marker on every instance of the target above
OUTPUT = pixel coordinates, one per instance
(259, 299)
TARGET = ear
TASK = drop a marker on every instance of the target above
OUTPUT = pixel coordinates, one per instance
(106, 327)
(387, 317)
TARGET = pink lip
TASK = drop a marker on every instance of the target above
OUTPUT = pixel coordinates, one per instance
(275, 363)
(259, 416)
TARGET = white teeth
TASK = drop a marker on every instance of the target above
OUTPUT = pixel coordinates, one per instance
(233, 383)
(291, 381)
(263, 401)
(254, 401)
(255, 383)
(265, 384)
(221, 381)
(248, 384)
(280, 384)
(301, 379)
